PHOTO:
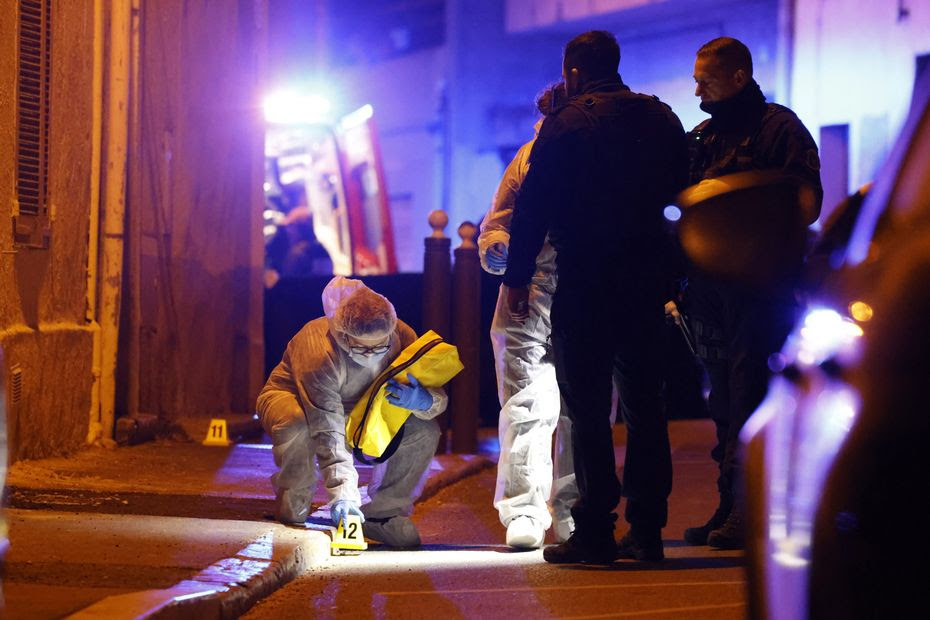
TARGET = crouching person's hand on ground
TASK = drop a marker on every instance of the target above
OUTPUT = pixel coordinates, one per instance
(345, 507)
(414, 396)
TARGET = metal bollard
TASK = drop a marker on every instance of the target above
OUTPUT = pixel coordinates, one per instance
(436, 297)
(466, 329)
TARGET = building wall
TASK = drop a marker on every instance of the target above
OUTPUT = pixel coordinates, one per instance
(195, 248)
(191, 338)
(854, 64)
(43, 292)
(495, 73)
(525, 15)
(450, 116)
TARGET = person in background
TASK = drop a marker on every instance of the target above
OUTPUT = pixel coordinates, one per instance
(603, 168)
(531, 408)
(737, 328)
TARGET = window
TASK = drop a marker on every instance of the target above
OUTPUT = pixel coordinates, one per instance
(30, 215)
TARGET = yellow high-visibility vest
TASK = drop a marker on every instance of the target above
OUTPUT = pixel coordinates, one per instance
(374, 423)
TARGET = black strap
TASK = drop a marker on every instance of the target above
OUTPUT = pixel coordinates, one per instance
(388, 451)
(383, 378)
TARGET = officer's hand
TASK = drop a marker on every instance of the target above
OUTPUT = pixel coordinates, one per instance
(518, 303)
(413, 396)
(671, 312)
(345, 507)
(496, 257)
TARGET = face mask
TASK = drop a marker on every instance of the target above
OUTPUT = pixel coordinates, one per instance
(372, 360)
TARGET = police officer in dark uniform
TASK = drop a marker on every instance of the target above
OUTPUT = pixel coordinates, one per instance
(601, 172)
(737, 327)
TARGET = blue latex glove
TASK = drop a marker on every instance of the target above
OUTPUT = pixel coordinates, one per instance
(496, 257)
(413, 396)
(345, 507)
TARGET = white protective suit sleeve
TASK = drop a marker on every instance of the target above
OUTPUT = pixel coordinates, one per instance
(440, 401)
(319, 393)
(495, 228)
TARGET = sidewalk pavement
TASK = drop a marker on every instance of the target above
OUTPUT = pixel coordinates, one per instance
(164, 529)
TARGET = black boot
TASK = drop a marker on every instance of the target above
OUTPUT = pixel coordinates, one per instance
(579, 549)
(732, 534)
(698, 535)
(643, 544)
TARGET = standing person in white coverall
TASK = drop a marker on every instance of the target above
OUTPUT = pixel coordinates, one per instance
(326, 368)
(531, 407)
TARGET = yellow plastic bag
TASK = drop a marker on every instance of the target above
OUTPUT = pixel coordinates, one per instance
(374, 422)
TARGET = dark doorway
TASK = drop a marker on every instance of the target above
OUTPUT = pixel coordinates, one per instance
(834, 166)
(921, 64)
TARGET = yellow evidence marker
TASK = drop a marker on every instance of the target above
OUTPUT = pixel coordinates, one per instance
(348, 538)
(216, 433)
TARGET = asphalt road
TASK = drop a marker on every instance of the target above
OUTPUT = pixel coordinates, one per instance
(465, 571)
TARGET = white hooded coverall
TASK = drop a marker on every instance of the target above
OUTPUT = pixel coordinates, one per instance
(531, 408)
(304, 405)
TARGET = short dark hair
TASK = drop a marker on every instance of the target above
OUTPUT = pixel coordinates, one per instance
(595, 53)
(731, 53)
(551, 98)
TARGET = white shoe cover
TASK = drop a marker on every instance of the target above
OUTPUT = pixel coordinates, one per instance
(395, 532)
(563, 528)
(524, 532)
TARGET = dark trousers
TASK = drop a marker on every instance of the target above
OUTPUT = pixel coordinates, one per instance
(683, 378)
(737, 330)
(606, 325)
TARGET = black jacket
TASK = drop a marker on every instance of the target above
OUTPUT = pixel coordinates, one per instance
(746, 133)
(602, 170)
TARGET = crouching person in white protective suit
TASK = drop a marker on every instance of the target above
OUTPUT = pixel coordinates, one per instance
(531, 407)
(326, 368)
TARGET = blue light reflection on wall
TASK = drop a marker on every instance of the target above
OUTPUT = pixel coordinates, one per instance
(450, 111)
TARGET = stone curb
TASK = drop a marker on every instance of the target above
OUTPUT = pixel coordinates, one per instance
(474, 463)
(197, 505)
(225, 589)
(194, 505)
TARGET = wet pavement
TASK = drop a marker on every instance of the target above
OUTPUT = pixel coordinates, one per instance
(181, 530)
(465, 570)
(163, 529)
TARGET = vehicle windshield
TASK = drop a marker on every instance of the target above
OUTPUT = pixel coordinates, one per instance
(912, 191)
(904, 195)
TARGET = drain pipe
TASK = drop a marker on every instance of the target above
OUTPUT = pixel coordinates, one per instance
(94, 431)
(113, 205)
